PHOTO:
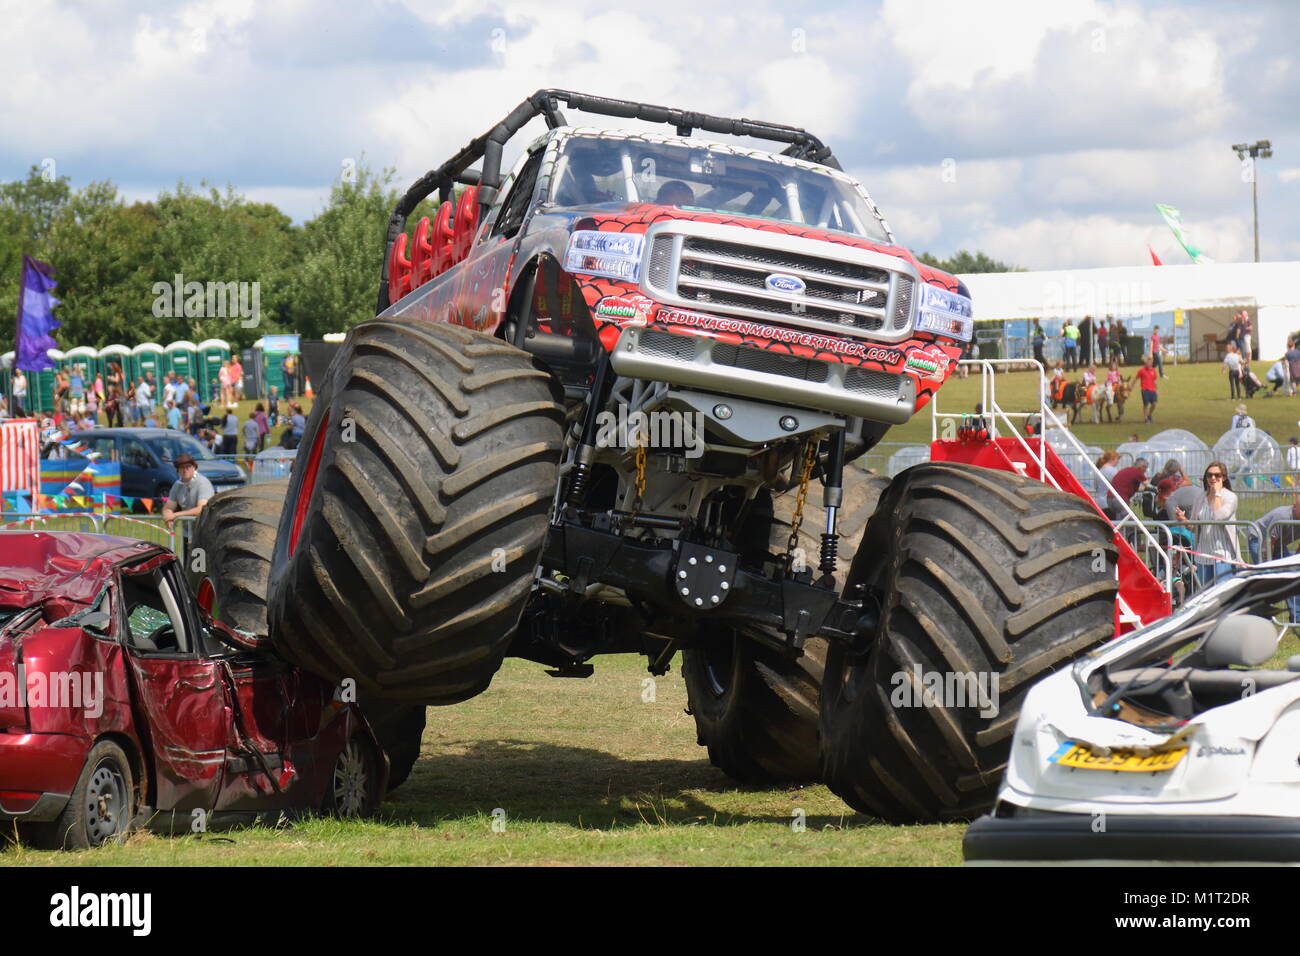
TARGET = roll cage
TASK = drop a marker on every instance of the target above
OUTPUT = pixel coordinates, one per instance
(489, 148)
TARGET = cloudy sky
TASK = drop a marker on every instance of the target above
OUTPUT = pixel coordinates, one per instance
(1037, 131)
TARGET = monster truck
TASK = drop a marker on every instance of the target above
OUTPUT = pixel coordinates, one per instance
(588, 418)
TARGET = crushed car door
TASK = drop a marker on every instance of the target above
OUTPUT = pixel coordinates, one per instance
(180, 695)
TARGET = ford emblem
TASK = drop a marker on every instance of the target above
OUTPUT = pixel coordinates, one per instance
(790, 285)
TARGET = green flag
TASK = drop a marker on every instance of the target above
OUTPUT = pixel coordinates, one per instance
(1174, 220)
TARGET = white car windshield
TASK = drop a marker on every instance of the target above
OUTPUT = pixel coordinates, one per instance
(594, 169)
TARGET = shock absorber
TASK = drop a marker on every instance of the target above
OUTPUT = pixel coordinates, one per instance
(586, 450)
(833, 498)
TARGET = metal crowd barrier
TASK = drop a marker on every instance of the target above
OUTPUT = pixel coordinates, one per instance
(151, 528)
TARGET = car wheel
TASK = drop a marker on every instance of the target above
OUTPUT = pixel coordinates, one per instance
(102, 806)
(354, 783)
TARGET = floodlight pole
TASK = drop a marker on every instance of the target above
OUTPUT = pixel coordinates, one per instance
(1260, 148)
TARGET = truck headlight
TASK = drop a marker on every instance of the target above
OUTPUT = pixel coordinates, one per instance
(616, 255)
(945, 313)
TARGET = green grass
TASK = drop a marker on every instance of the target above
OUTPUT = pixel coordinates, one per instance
(587, 774)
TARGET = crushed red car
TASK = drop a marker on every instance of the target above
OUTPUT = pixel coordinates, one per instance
(123, 703)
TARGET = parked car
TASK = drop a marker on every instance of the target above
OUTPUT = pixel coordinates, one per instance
(146, 456)
(122, 702)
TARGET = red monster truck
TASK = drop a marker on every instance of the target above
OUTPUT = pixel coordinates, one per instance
(587, 420)
(123, 702)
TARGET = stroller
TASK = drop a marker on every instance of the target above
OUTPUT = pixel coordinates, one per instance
(1250, 382)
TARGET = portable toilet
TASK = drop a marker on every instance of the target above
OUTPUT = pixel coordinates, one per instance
(182, 358)
(86, 357)
(6, 371)
(149, 357)
(211, 353)
(274, 348)
(40, 385)
(119, 354)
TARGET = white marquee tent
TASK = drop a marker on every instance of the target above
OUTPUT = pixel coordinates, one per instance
(1202, 296)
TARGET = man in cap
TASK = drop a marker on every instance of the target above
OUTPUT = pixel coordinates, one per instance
(190, 493)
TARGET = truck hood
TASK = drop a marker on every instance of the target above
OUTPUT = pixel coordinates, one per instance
(637, 217)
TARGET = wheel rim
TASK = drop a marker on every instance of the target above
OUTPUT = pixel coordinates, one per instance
(106, 803)
(303, 502)
(352, 780)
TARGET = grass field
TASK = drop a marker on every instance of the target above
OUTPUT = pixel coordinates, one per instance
(586, 772)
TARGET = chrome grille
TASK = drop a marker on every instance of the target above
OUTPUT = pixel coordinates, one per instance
(902, 303)
(725, 269)
(773, 363)
(881, 385)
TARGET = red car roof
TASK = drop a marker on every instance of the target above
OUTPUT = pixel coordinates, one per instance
(38, 565)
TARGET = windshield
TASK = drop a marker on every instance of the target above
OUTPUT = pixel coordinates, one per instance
(168, 447)
(593, 169)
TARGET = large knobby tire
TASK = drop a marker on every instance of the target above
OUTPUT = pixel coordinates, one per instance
(978, 572)
(236, 534)
(236, 531)
(756, 709)
(419, 504)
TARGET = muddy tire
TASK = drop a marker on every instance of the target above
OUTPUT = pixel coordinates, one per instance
(236, 531)
(978, 572)
(419, 506)
(756, 709)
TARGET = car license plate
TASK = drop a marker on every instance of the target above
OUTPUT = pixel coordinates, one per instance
(1071, 754)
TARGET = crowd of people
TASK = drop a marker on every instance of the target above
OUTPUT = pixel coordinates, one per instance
(114, 399)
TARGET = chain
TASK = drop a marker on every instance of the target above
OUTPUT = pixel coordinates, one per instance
(640, 477)
(809, 459)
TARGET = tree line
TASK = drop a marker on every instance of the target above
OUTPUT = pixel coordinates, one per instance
(108, 255)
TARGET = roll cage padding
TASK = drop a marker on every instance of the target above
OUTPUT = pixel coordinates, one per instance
(489, 148)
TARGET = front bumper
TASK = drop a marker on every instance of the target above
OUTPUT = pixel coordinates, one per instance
(1082, 838)
(37, 773)
(697, 361)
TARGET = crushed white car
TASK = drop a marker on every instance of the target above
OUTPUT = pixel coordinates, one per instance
(1169, 745)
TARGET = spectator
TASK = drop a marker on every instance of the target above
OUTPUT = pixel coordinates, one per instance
(1070, 343)
(236, 380)
(169, 389)
(1085, 340)
(1128, 481)
(144, 399)
(1157, 352)
(1108, 465)
(1216, 544)
(1293, 454)
(1277, 376)
(297, 423)
(273, 406)
(1241, 419)
(252, 434)
(1040, 341)
(259, 416)
(289, 367)
(20, 393)
(1232, 365)
(1146, 377)
(230, 431)
(173, 416)
(1280, 538)
(1103, 342)
(1292, 358)
(223, 376)
(190, 492)
(181, 393)
(92, 405)
(1247, 336)
(1116, 345)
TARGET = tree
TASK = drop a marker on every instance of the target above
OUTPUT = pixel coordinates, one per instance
(967, 262)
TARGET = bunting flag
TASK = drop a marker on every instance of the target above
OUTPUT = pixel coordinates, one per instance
(1174, 220)
(1155, 259)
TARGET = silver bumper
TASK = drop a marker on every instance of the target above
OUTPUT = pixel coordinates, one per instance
(659, 356)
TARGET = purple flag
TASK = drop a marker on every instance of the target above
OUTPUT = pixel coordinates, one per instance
(36, 316)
